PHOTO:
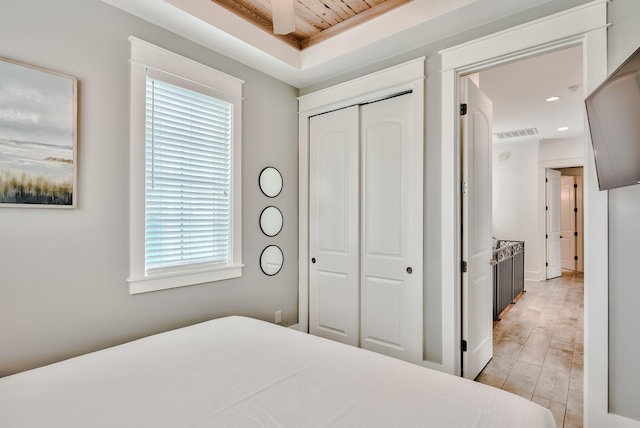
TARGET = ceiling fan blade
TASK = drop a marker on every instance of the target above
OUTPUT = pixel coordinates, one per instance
(284, 18)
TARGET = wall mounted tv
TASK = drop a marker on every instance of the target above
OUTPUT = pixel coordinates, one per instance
(613, 110)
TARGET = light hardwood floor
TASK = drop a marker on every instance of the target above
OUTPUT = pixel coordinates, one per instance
(538, 348)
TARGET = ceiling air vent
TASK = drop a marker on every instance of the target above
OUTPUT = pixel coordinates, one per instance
(516, 134)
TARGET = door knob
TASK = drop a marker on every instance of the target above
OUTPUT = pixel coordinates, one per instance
(313, 260)
(409, 270)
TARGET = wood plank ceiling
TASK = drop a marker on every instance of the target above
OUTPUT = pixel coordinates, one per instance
(316, 20)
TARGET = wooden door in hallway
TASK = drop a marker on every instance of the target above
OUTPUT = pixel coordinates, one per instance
(568, 223)
(554, 250)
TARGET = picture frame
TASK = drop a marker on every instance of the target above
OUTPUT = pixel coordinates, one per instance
(38, 137)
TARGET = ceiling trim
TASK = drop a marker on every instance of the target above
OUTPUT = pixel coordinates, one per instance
(407, 27)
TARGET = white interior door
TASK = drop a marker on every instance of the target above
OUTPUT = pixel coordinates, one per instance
(568, 229)
(391, 296)
(554, 249)
(333, 226)
(477, 251)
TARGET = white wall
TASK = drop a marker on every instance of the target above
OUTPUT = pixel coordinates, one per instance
(515, 199)
(624, 241)
(63, 288)
(561, 153)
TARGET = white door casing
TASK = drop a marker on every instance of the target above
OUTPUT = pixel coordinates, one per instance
(477, 251)
(391, 282)
(568, 227)
(553, 208)
(585, 25)
(334, 273)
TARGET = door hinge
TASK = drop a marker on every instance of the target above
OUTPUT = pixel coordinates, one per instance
(546, 264)
(463, 109)
(575, 210)
(546, 208)
(463, 187)
(575, 233)
(546, 236)
(546, 180)
(464, 266)
(464, 346)
(575, 257)
(575, 186)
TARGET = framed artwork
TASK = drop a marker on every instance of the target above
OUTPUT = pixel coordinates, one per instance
(38, 137)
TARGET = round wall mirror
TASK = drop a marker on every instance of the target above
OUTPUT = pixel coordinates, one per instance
(271, 260)
(270, 182)
(271, 221)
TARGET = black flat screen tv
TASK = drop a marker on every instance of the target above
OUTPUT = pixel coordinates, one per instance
(613, 111)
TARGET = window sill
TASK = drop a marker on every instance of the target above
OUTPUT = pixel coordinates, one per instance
(175, 280)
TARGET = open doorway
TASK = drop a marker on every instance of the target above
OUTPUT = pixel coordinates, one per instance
(585, 25)
(572, 219)
(538, 124)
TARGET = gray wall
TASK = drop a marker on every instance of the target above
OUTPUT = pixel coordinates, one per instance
(63, 288)
(624, 242)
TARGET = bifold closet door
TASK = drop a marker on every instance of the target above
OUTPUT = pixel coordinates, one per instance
(334, 226)
(391, 224)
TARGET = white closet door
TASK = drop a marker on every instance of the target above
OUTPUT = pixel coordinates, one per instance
(333, 226)
(391, 191)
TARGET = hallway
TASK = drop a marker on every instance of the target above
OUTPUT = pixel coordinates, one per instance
(538, 348)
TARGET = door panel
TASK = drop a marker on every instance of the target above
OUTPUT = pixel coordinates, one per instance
(568, 221)
(333, 226)
(383, 312)
(332, 289)
(477, 282)
(391, 320)
(554, 250)
(383, 189)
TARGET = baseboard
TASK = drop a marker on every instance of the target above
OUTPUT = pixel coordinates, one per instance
(622, 422)
(532, 276)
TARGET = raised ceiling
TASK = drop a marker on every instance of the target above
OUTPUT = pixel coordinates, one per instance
(315, 20)
(399, 29)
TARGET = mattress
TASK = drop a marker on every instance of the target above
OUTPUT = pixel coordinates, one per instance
(241, 372)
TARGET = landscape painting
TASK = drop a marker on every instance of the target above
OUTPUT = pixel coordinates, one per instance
(37, 137)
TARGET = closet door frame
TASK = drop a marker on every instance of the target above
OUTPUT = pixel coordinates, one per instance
(409, 76)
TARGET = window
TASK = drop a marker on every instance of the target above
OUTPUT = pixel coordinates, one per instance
(185, 172)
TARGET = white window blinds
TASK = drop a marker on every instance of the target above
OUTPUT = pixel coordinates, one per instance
(188, 200)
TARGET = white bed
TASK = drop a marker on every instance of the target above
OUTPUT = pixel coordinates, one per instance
(240, 372)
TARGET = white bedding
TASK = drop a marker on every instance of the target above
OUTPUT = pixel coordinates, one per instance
(240, 372)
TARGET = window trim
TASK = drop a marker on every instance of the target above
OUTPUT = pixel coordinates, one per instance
(145, 56)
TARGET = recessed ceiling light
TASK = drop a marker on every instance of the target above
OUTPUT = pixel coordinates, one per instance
(563, 128)
(554, 98)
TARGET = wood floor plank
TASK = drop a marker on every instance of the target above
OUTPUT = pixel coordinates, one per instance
(553, 383)
(535, 349)
(539, 348)
(557, 409)
(522, 379)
